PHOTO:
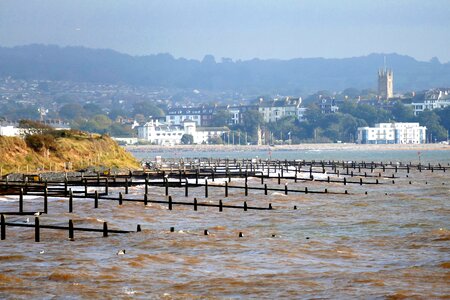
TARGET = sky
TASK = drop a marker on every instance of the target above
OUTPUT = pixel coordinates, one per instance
(237, 29)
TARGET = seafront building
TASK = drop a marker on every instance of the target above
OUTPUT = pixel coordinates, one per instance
(392, 133)
(164, 134)
(431, 99)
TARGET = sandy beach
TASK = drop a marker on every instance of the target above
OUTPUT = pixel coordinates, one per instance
(343, 146)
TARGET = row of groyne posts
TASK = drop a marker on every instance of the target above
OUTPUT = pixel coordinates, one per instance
(188, 174)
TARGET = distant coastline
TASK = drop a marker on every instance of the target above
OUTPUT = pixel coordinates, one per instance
(335, 146)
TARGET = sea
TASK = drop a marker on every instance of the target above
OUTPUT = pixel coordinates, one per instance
(385, 241)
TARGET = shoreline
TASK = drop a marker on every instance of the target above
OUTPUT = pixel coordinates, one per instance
(343, 146)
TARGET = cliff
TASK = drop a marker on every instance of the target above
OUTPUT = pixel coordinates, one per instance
(63, 150)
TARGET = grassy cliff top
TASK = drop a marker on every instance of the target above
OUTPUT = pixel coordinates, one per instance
(57, 150)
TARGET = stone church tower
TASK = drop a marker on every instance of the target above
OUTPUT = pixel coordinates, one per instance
(385, 83)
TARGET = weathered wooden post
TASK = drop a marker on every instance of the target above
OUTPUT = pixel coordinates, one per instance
(65, 187)
(37, 237)
(170, 202)
(3, 227)
(206, 187)
(166, 185)
(226, 188)
(21, 200)
(106, 186)
(195, 204)
(265, 189)
(279, 178)
(306, 190)
(145, 199)
(245, 205)
(246, 189)
(70, 200)
(286, 188)
(120, 198)
(71, 235)
(105, 229)
(126, 185)
(220, 205)
(345, 181)
(45, 200)
(96, 199)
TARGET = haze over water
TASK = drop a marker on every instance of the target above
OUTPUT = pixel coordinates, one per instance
(390, 243)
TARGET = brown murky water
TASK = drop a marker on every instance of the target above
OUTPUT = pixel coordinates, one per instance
(391, 243)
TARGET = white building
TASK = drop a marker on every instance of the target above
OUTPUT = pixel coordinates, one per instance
(10, 130)
(163, 134)
(277, 109)
(433, 99)
(160, 134)
(392, 133)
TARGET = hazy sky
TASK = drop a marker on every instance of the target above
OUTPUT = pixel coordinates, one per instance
(239, 29)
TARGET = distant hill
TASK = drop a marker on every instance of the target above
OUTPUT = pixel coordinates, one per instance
(295, 76)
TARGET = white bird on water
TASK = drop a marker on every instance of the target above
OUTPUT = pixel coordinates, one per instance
(121, 252)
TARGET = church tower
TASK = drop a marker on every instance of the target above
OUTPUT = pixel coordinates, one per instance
(385, 83)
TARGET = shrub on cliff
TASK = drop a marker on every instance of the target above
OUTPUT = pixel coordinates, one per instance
(38, 142)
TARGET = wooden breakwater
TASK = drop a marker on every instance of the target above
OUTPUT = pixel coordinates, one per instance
(272, 176)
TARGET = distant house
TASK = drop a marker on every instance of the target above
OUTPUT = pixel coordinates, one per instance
(165, 134)
(328, 105)
(202, 116)
(430, 100)
(10, 130)
(273, 110)
(392, 133)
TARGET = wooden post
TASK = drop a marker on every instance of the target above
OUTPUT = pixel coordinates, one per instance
(246, 189)
(3, 227)
(195, 204)
(105, 229)
(71, 236)
(70, 200)
(21, 200)
(145, 200)
(45, 200)
(245, 205)
(65, 187)
(138, 228)
(220, 205)
(306, 190)
(37, 237)
(226, 188)
(279, 178)
(96, 199)
(166, 184)
(170, 202)
(206, 188)
(146, 185)
(126, 185)
(106, 186)
(265, 189)
(85, 187)
(345, 181)
(120, 198)
(186, 188)
(286, 188)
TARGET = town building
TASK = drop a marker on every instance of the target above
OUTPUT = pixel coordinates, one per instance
(273, 110)
(431, 99)
(385, 83)
(202, 116)
(328, 105)
(166, 134)
(392, 133)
